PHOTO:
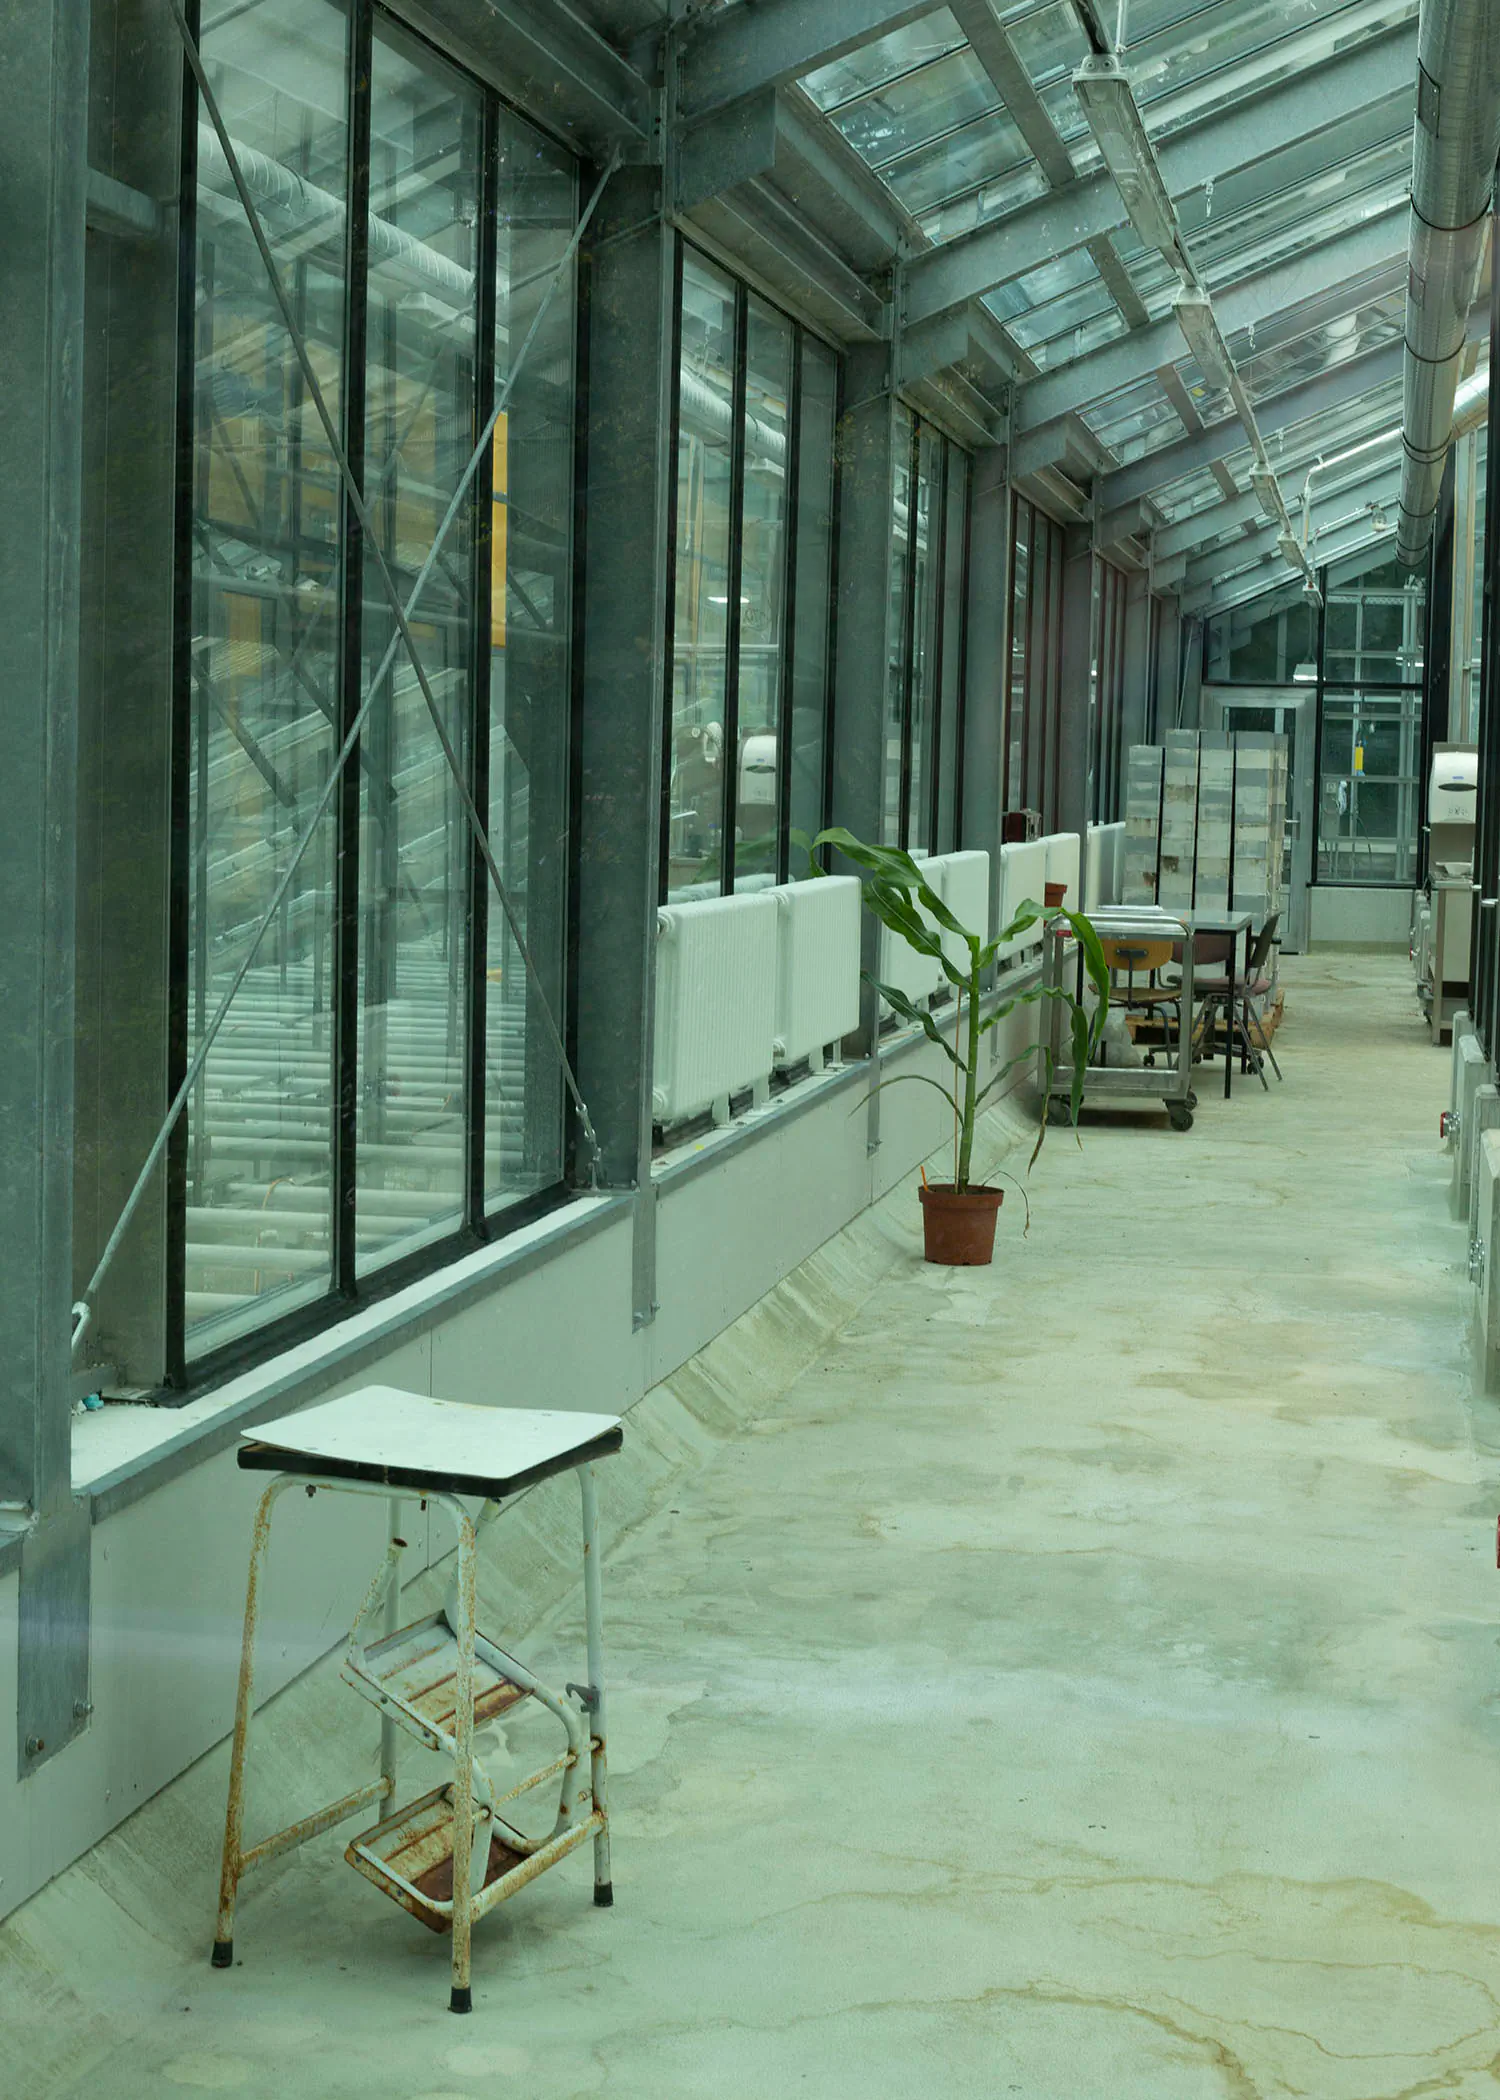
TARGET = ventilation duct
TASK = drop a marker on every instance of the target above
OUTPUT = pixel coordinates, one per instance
(1453, 165)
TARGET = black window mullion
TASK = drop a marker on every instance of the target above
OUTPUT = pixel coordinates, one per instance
(732, 609)
(909, 655)
(351, 661)
(481, 496)
(793, 486)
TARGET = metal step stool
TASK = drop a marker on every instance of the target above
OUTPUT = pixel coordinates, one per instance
(449, 1857)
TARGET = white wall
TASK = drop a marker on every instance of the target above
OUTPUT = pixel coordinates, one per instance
(1359, 915)
(735, 1215)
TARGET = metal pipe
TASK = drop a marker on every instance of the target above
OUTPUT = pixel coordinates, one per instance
(1455, 142)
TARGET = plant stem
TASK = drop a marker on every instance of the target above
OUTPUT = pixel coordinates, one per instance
(958, 1023)
(971, 1072)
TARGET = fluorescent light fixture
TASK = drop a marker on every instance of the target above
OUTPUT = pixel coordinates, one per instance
(1291, 548)
(1108, 103)
(1268, 492)
(1305, 674)
(1195, 317)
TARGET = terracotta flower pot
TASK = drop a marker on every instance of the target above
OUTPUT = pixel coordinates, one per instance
(958, 1225)
(1055, 893)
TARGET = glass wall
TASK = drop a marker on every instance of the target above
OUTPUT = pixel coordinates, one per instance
(1108, 761)
(924, 672)
(1369, 802)
(747, 721)
(384, 1078)
(1262, 643)
(1033, 694)
(1370, 733)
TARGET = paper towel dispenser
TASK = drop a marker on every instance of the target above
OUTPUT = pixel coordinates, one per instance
(1455, 787)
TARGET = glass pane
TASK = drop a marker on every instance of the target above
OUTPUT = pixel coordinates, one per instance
(768, 387)
(950, 723)
(1369, 796)
(813, 603)
(872, 65)
(700, 626)
(531, 610)
(918, 107)
(903, 499)
(264, 669)
(1020, 588)
(924, 639)
(415, 849)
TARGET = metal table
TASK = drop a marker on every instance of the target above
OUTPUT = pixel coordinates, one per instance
(1233, 923)
(450, 1856)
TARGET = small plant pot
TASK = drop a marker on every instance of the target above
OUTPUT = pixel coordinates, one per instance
(1054, 894)
(958, 1225)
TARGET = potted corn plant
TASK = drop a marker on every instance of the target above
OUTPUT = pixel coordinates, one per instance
(958, 1217)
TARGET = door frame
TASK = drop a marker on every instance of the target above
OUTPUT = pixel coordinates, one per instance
(1302, 703)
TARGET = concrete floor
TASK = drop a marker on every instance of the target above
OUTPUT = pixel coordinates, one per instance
(1080, 1683)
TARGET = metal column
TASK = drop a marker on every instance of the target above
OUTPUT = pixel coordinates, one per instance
(44, 80)
(988, 613)
(868, 450)
(627, 478)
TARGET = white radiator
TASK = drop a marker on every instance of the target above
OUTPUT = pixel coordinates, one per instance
(1023, 876)
(715, 1002)
(817, 979)
(965, 889)
(1063, 855)
(1102, 865)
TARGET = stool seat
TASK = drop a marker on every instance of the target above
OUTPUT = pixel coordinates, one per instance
(409, 1440)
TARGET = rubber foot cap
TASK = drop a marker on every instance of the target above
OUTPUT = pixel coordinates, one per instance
(461, 2001)
(604, 1895)
(223, 1954)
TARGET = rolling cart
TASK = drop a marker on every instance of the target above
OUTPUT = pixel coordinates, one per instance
(1169, 1083)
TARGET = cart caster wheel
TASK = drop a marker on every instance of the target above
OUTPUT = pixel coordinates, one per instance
(1192, 1100)
(1150, 1058)
(1058, 1115)
(1179, 1115)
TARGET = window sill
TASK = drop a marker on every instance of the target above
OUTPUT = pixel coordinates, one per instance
(120, 1451)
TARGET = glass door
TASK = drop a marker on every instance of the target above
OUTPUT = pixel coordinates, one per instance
(1288, 714)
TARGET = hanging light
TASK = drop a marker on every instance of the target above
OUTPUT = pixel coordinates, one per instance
(1195, 317)
(1109, 106)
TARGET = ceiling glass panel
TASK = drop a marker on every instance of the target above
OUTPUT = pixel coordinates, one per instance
(873, 65)
(959, 161)
(917, 107)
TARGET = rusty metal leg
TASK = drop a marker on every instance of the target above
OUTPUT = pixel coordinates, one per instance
(460, 1998)
(390, 1735)
(593, 1595)
(234, 1818)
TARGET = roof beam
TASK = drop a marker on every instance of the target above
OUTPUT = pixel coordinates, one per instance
(734, 53)
(1216, 442)
(1242, 590)
(1380, 484)
(1330, 278)
(763, 231)
(781, 135)
(551, 61)
(1248, 130)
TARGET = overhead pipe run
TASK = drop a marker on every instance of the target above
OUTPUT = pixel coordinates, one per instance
(1455, 142)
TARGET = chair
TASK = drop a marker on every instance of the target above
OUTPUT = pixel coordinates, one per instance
(1234, 993)
(1131, 955)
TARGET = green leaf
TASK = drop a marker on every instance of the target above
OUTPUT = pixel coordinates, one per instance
(900, 1079)
(899, 1003)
